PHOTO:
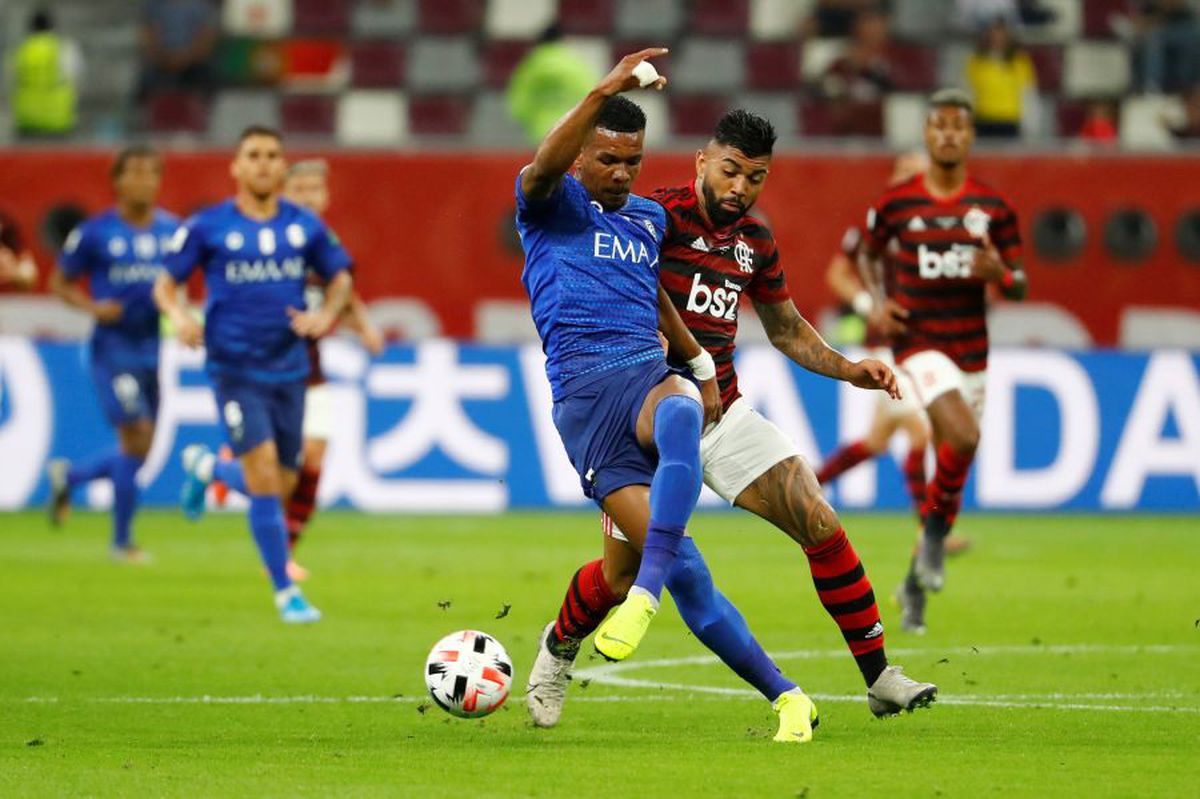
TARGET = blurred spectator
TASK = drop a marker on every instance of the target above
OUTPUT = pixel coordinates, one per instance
(1099, 123)
(975, 15)
(857, 81)
(548, 82)
(999, 73)
(17, 267)
(1188, 126)
(178, 37)
(1167, 45)
(837, 18)
(44, 72)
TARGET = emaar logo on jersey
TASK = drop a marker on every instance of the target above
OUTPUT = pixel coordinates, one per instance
(265, 270)
(127, 274)
(612, 247)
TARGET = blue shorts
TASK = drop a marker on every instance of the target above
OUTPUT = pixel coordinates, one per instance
(598, 427)
(253, 412)
(126, 395)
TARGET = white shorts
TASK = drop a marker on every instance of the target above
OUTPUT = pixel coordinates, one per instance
(932, 374)
(735, 453)
(318, 412)
(908, 404)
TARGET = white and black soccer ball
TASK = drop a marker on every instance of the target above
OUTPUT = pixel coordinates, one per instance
(468, 674)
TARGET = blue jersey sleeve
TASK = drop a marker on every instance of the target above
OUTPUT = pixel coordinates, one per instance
(325, 252)
(568, 208)
(186, 250)
(76, 256)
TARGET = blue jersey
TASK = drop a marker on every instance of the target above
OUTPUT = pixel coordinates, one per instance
(254, 272)
(121, 262)
(592, 279)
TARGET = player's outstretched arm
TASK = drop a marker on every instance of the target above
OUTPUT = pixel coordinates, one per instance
(565, 140)
(791, 334)
(681, 342)
(166, 297)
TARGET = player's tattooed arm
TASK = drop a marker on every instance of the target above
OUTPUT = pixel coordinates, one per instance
(683, 344)
(562, 145)
(69, 290)
(791, 334)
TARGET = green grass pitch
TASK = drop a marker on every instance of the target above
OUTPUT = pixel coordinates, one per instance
(1067, 649)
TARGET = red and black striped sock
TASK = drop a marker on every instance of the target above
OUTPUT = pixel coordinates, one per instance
(843, 460)
(944, 495)
(588, 601)
(301, 503)
(914, 476)
(846, 593)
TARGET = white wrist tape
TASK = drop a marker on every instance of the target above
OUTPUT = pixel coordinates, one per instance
(645, 73)
(863, 303)
(702, 366)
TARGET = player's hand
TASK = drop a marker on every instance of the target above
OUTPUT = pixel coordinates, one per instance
(987, 264)
(189, 332)
(108, 312)
(622, 79)
(889, 318)
(8, 266)
(872, 374)
(310, 324)
(710, 395)
(372, 339)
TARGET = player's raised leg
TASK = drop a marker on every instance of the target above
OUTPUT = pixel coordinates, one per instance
(669, 421)
(788, 496)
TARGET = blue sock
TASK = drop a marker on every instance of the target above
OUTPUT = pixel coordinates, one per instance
(125, 497)
(266, 523)
(674, 489)
(716, 622)
(231, 474)
(94, 469)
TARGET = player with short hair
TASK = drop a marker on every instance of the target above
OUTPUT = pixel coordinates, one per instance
(630, 424)
(953, 236)
(256, 250)
(119, 253)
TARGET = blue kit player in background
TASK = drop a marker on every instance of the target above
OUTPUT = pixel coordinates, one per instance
(255, 250)
(118, 254)
(630, 424)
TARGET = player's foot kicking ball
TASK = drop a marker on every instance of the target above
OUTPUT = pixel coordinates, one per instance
(930, 566)
(294, 608)
(130, 554)
(547, 688)
(894, 692)
(197, 469)
(618, 637)
(911, 600)
(797, 717)
(59, 503)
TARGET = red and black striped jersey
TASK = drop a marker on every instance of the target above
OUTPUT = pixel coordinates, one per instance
(935, 244)
(705, 270)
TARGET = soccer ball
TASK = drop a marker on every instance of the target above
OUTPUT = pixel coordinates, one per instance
(468, 674)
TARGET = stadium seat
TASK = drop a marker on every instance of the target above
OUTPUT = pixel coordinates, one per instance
(921, 20)
(724, 18)
(492, 125)
(1071, 116)
(265, 19)
(904, 120)
(776, 20)
(376, 18)
(913, 67)
(708, 65)
(372, 117)
(586, 17)
(1098, 14)
(658, 20)
(518, 19)
(1066, 27)
(1143, 121)
(321, 17)
(696, 115)
(438, 115)
(814, 117)
(500, 58)
(596, 52)
(818, 55)
(235, 110)
(177, 112)
(952, 63)
(773, 66)
(437, 64)
(779, 108)
(658, 117)
(308, 114)
(450, 16)
(1048, 63)
(376, 64)
(1096, 69)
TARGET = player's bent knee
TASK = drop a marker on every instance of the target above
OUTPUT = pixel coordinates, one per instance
(821, 523)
